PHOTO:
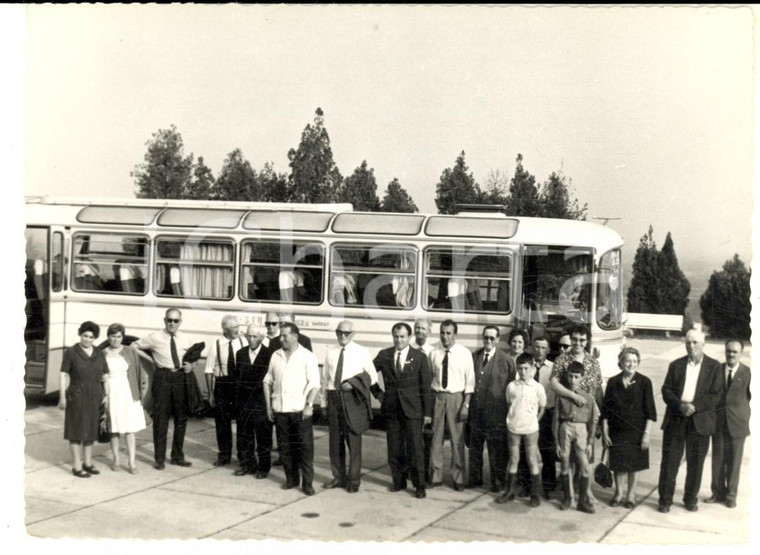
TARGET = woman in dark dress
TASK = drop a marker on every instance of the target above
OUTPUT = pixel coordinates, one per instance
(83, 378)
(628, 412)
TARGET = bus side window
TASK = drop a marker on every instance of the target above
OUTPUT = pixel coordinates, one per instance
(103, 260)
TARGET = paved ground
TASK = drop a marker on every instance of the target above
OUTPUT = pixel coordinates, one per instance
(206, 502)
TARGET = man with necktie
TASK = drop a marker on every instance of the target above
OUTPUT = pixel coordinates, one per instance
(346, 381)
(254, 428)
(732, 426)
(221, 383)
(487, 421)
(407, 405)
(167, 347)
(453, 384)
(422, 327)
(691, 391)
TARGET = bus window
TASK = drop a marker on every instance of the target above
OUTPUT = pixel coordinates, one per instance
(373, 275)
(191, 268)
(56, 274)
(282, 272)
(557, 283)
(609, 294)
(112, 262)
(461, 279)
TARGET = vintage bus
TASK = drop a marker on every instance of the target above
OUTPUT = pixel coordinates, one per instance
(127, 261)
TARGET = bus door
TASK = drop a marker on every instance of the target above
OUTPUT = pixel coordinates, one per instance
(44, 288)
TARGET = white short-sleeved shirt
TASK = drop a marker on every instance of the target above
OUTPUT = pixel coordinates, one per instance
(525, 400)
(461, 371)
(159, 344)
(356, 359)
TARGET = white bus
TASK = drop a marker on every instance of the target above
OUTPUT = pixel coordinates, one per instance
(127, 261)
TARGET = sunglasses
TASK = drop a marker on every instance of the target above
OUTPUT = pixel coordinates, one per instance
(172, 320)
(489, 338)
(271, 323)
(343, 333)
(564, 346)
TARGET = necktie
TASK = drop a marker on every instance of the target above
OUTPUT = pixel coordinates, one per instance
(485, 360)
(175, 356)
(230, 360)
(339, 371)
(398, 364)
(730, 377)
(445, 370)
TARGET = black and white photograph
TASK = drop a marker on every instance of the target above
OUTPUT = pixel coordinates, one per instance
(379, 273)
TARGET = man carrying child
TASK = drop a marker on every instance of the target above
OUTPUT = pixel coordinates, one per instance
(526, 400)
(573, 429)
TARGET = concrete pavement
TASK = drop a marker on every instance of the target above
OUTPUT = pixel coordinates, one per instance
(207, 502)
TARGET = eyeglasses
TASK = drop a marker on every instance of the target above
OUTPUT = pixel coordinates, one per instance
(343, 333)
(172, 320)
(271, 323)
(564, 346)
(489, 338)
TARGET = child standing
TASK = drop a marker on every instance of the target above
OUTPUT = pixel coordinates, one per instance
(526, 400)
(573, 430)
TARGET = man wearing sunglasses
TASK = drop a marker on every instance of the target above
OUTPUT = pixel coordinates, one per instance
(275, 342)
(487, 421)
(167, 348)
(272, 325)
(346, 381)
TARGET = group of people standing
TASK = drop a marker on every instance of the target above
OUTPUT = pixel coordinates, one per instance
(529, 412)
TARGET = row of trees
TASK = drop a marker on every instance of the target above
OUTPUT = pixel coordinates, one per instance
(658, 286)
(167, 172)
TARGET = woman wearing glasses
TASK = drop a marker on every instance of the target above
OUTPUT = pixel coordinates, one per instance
(83, 375)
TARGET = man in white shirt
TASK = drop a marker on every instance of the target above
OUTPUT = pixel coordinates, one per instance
(290, 386)
(221, 382)
(348, 375)
(691, 392)
(453, 384)
(167, 348)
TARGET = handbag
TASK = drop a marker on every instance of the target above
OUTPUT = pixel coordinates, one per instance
(104, 424)
(602, 472)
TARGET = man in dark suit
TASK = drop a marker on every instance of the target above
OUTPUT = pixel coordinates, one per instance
(691, 392)
(254, 428)
(732, 426)
(487, 423)
(407, 405)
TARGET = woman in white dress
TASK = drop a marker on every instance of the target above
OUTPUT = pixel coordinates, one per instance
(125, 400)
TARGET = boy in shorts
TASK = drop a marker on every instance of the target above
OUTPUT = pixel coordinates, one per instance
(573, 430)
(526, 401)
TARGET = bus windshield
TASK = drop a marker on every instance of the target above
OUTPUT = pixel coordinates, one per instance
(557, 283)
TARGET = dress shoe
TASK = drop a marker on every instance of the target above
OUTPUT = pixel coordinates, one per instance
(260, 475)
(458, 487)
(495, 488)
(419, 493)
(692, 507)
(352, 488)
(182, 462)
(334, 483)
(308, 490)
(288, 485)
(221, 462)
(397, 487)
(80, 473)
(90, 470)
(505, 497)
(159, 466)
(243, 471)
(663, 508)
(731, 503)
(714, 499)
(475, 484)
(278, 462)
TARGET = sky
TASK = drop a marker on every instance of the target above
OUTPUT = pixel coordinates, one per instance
(647, 110)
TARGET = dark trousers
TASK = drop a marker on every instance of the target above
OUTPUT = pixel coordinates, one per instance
(680, 435)
(341, 436)
(170, 400)
(547, 450)
(297, 446)
(496, 439)
(427, 445)
(225, 394)
(406, 452)
(254, 439)
(727, 455)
